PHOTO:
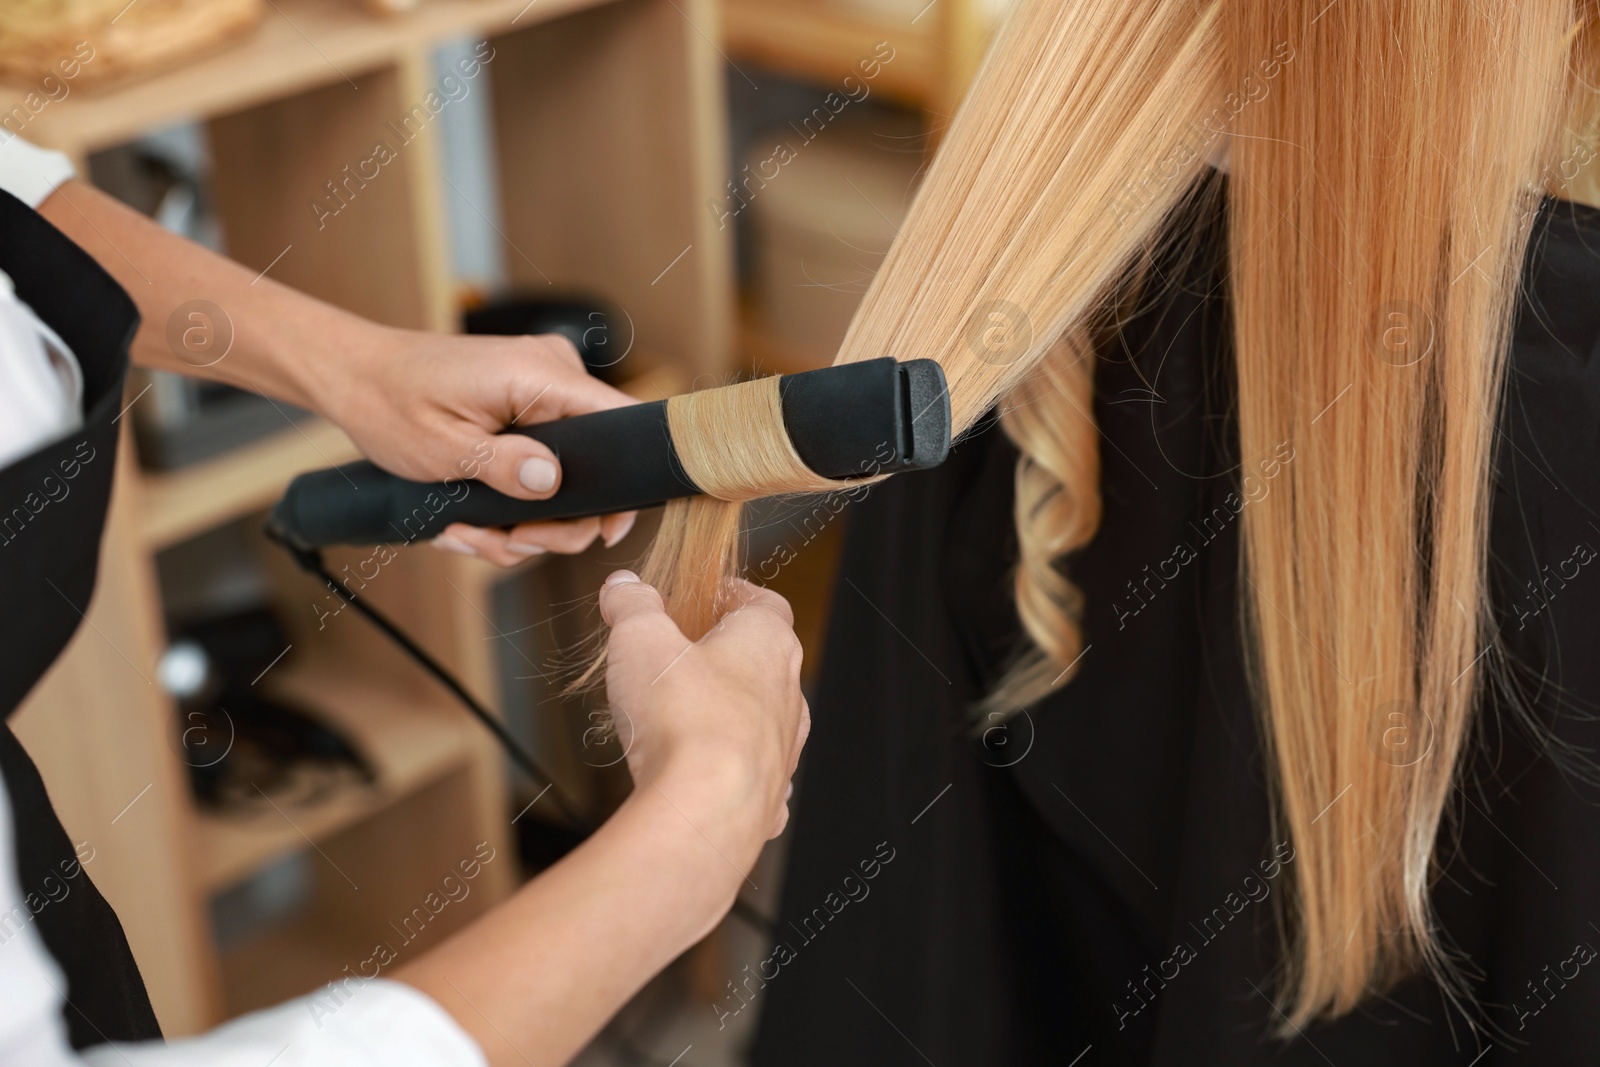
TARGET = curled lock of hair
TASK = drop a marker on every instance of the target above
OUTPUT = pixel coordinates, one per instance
(1384, 158)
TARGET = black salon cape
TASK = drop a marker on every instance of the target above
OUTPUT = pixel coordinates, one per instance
(49, 554)
(1038, 871)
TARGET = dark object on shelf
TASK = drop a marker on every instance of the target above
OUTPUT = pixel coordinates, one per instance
(234, 738)
(184, 421)
(601, 332)
(873, 417)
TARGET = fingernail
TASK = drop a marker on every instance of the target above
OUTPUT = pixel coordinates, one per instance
(622, 578)
(537, 473)
(520, 549)
(452, 544)
(623, 530)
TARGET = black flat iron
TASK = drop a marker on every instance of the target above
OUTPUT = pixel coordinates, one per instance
(875, 417)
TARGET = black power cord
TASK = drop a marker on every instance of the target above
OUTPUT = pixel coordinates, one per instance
(311, 560)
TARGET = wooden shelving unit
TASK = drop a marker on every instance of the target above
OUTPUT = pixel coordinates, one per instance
(608, 127)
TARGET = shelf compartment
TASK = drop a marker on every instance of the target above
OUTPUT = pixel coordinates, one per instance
(412, 738)
(287, 962)
(408, 906)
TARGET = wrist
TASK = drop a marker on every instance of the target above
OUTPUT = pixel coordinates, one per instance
(694, 861)
(724, 786)
(721, 796)
(330, 361)
(304, 351)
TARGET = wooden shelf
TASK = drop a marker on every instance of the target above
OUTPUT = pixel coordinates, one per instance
(186, 502)
(822, 43)
(412, 739)
(300, 44)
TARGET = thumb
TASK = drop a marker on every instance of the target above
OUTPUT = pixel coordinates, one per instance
(624, 596)
(643, 636)
(521, 467)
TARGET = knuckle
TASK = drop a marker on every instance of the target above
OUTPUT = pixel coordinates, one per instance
(775, 614)
(562, 348)
(760, 594)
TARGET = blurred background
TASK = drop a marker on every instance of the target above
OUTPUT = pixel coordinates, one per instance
(271, 796)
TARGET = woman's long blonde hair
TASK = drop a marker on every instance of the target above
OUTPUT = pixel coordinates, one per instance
(1386, 162)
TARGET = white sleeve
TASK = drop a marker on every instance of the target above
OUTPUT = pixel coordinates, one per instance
(30, 173)
(359, 1023)
(377, 1024)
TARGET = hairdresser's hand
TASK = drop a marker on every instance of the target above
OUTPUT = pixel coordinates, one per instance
(430, 407)
(715, 725)
(425, 406)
